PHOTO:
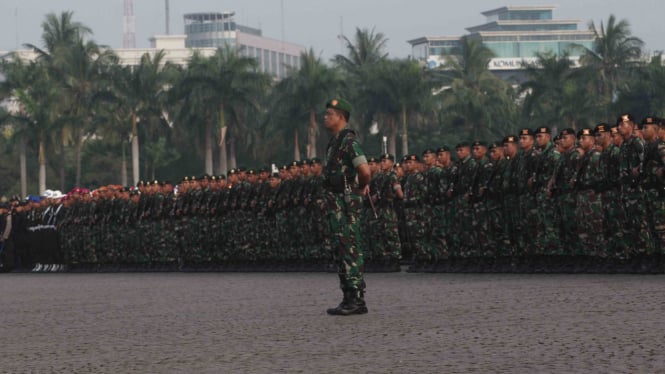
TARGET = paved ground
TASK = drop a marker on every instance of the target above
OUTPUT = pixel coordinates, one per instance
(272, 322)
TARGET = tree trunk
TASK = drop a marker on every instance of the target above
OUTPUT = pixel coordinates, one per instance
(405, 137)
(232, 153)
(79, 147)
(62, 161)
(42, 166)
(23, 168)
(135, 149)
(392, 140)
(223, 160)
(208, 144)
(123, 171)
(311, 134)
(296, 146)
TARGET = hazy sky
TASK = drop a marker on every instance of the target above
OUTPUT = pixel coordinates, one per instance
(314, 23)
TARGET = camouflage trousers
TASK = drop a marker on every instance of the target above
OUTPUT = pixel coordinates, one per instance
(636, 226)
(567, 216)
(417, 226)
(462, 235)
(614, 216)
(346, 239)
(590, 224)
(438, 242)
(529, 222)
(512, 228)
(656, 205)
(547, 234)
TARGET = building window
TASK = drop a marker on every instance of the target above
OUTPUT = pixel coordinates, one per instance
(266, 61)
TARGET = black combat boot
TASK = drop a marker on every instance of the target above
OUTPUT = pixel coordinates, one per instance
(353, 303)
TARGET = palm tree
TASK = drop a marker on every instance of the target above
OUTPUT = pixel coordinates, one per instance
(86, 83)
(614, 51)
(367, 49)
(144, 88)
(303, 93)
(17, 77)
(39, 100)
(230, 84)
(475, 98)
(399, 87)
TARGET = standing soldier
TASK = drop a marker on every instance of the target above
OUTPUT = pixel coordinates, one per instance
(434, 205)
(511, 201)
(526, 169)
(563, 192)
(613, 212)
(631, 158)
(485, 249)
(347, 178)
(653, 182)
(493, 193)
(547, 235)
(369, 221)
(589, 214)
(463, 238)
(389, 191)
(442, 224)
(415, 193)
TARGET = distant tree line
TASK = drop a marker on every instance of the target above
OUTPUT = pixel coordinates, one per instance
(82, 119)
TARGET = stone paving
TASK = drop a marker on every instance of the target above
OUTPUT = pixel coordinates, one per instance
(276, 322)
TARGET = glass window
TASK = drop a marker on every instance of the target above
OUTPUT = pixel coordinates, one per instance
(266, 60)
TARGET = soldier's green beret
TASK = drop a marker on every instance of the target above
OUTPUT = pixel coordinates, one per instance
(526, 131)
(542, 130)
(232, 171)
(340, 104)
(372, 159)
(221, 177)
(443, 148)
(626, 117)
(251, 171)
(479, 143)
(493, 145)
(404, 158)
(601, 128)
(462, 145)
(413, 157)
(284, 167)
(584, 132)
(204, 176)
(567, 131)
(511, 139)
(428, 151)
(387, 156)
(305, 162)
(614, 130)
(264, 169)
(274, 175)
(650, 121)
(557, 138)
(294, 164)
(242, 169)
(315, 160)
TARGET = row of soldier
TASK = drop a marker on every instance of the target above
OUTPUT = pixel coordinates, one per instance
(528, 201)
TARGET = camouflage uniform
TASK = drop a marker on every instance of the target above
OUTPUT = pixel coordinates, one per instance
(547, 235)
(462, 235)
(344, 207)
(636, 227)
(589, 205)
(563, 192)
(416, 214)
(654, 189)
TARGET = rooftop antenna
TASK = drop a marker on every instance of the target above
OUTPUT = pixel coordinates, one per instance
(128, 24)
(166, 4)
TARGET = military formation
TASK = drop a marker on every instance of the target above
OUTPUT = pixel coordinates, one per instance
(581, 201)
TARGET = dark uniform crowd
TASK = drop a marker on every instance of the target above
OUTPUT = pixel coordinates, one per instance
(581, 201)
